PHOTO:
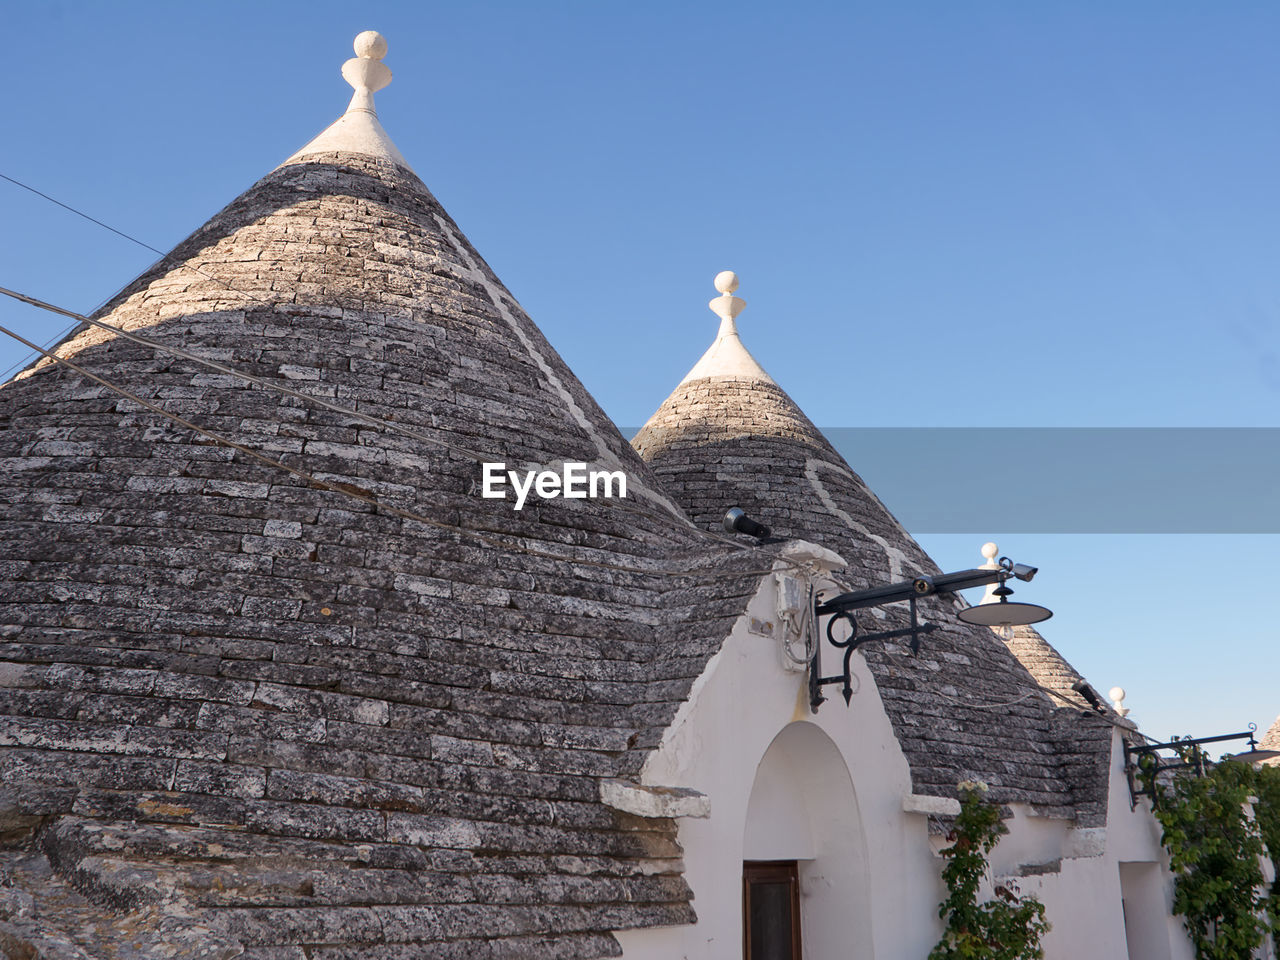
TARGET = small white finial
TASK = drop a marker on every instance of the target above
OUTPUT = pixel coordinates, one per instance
(727, 357)
(727, 306)
(1117, 700)
(358, 130)
(371, 44)
(366, 71)
(726, 281)
(989, 551)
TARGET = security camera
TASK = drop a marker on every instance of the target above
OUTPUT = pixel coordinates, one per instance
(737, 521)
(1024, 572)
(1085, 690)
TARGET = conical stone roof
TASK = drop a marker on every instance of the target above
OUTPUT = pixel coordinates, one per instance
(965, 707)
(1271, 741)
(248, 710)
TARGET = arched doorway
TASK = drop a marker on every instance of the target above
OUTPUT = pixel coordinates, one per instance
(803, 810)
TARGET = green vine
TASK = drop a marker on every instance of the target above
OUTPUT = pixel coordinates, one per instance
(1008, 927)
(1267, 811)
(1215, 848)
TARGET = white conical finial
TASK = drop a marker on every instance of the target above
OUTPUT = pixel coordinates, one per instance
(358, 130)
(366, 71)
(989, 552)
(727, 306)
(1117, 700)
(727, 357)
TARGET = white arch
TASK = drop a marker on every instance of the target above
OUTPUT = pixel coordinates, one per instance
(803, 807)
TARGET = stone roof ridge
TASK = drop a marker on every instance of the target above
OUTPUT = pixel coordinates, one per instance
(358, 130)
(727, 357)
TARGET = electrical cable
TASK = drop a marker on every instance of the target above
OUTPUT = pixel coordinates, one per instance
(213, 365)
(132, 239)
(376, 422)
(247, 377)
(806, 629)
(25, 361)
(81, 213)
(357, 494)
(1125, 726)
(986, 706)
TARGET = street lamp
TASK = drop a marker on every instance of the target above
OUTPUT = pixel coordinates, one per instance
(841, 608)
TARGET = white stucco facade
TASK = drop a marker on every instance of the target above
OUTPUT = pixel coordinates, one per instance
(832, 791)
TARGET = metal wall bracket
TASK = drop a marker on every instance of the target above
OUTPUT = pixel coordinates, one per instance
(842, 607)
(1198, 762)
(851, 643)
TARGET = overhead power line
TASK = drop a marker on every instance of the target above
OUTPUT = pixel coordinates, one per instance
(81, 213)
(132, 239)
(263, 382)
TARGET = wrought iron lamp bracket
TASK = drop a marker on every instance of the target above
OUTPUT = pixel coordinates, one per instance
(851, 643)
(1133, 758)
(843, 606)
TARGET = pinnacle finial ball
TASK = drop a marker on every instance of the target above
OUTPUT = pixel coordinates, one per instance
(1116, 693)
(726, 281)
(371, 44)
(989, 550)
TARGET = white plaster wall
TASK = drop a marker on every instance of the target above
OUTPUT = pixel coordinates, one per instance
(1145, 910)
(875, 894)
(741, 704)
(1031, 840)
(1133, 836)
(1083, 897)
(803, 807)
(783, 822)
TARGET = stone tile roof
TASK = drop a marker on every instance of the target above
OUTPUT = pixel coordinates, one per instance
(1046, 664)
(242, 712)
(1271, 741)
(966, 707)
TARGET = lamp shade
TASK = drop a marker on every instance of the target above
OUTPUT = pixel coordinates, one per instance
(1253, 756)
(1005, 614)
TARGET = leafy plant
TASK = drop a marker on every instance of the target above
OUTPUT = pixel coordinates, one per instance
(1215, 848)
(1008, 927)
(1267, 811)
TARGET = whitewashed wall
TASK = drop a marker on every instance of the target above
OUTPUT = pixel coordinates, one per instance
(1083, 899)
(828, 790)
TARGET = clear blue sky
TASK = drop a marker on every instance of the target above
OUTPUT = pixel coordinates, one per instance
(978, 214)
